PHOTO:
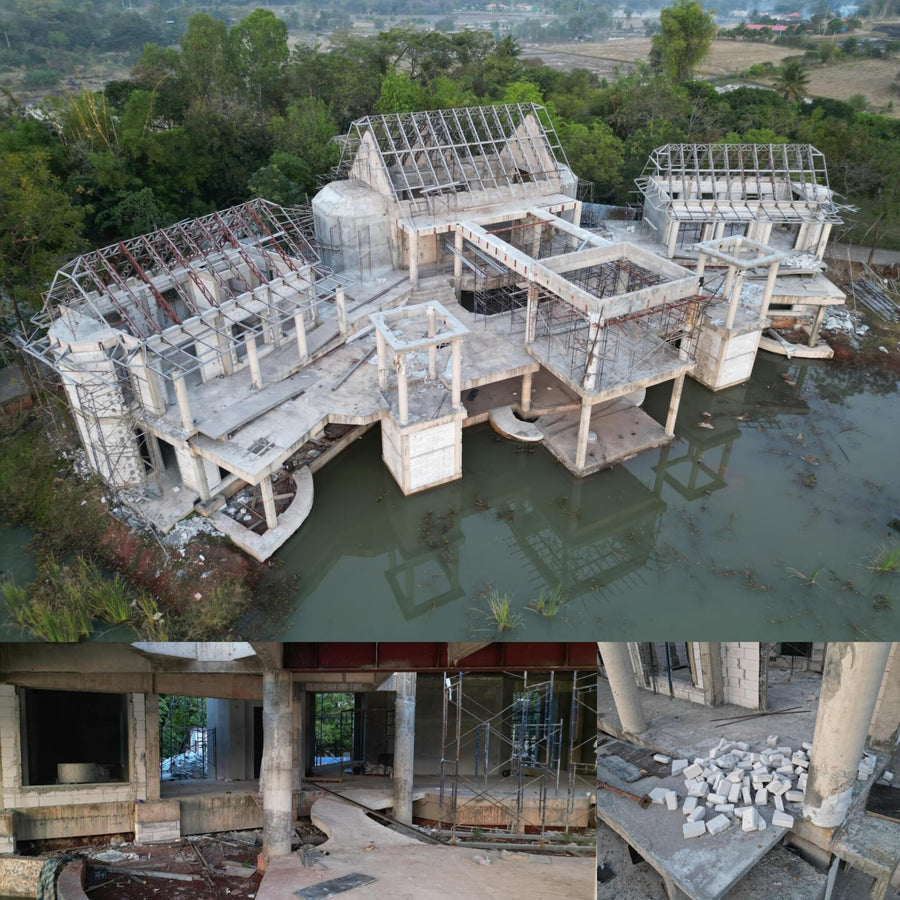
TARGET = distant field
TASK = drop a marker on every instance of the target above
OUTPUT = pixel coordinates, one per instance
(870, 77)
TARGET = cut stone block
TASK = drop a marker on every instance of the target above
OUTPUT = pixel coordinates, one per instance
(671, 800)
(693, 829)
(750, 820)
(697, 814)
(662, 758)
(678, 766)
(693, 771)
(658, 795)
(721, 823)
(690, 804)
(782, 820)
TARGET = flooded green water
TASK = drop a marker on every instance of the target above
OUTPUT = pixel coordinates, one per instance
(764, 525)
(17, 565)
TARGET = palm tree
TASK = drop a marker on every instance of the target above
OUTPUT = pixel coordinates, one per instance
(792, 80)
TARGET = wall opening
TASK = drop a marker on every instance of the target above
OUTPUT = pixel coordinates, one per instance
(186, 745)
(334, 718)
(73, 737)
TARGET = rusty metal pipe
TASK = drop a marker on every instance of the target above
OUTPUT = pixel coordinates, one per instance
(643, 802)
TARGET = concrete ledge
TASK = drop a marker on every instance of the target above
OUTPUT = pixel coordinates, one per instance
(74, 820)
(157, 811)
(70, 884)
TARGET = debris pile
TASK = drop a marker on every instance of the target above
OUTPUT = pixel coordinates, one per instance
(734, 783)
(189, 764)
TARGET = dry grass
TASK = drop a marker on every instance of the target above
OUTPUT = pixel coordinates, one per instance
(724, 57)
(870, 77)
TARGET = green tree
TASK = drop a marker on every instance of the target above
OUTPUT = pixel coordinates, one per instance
(260, 52)
(399, 94)
(686, 32)
(206, 66)
(595, 154)
(39, 229)
(792, 80)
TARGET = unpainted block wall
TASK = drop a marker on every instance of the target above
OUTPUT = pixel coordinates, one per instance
(741, 671)
(103, 802)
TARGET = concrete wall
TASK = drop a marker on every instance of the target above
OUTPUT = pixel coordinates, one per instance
(233, 721)
(422, 457)
(70, 810)
(724, 358)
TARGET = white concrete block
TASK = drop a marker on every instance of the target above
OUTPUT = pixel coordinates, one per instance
(678, 766)
(725, 807)
(721, 823)
(793, 796)
(717, 798)
(662, 758)
(697, 814)
(734, 794)
(693, 771)
(658, 795)
(699, 790)
(782, 820)
(807, 746)
(762, 797)
(779, 803)
(689, 805)
(772, 740)
(750, 820)
(746, 795)
(671, 800)
(762, 823)
(693, 829)
(801, 781)
(735, 777)
(741, 745)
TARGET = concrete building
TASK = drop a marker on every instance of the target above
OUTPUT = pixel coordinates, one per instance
(443, 279)
(809, 770)
(463, 737)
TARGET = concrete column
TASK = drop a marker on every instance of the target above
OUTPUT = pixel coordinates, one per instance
(184, 405)
(298, 749)
(589, 382)
(402, 389)
(381, 344)
(735, 299)
(300, 325)
(277, 772)
(151, 719)
(584, 428)
(701, 263)
(457, 260)
(268, 498)
(850, 682)
(624, 688)
(200, 478)
(432, 349)
(253, 359)
(413, 258)
(531, 313)
(674, 403)
(404, 745)
(884, 728)
(817, 325)
(526, 392)
(711, 673)
(768, 290)
(720, 231)
(823, 240)
(576, 213)
(673, 238)
(456, 365)
(341, 307)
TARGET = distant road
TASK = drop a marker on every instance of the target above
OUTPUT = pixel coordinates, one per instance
(861, 254)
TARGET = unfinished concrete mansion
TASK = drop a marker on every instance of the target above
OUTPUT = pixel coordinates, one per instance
(444, 278)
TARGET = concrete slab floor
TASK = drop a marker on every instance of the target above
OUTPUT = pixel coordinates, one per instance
(680, 728)
(405, 869)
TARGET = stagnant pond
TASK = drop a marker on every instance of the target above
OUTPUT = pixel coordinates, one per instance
(766, 524)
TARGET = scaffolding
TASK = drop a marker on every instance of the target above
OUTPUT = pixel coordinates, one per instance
(624, 349)
(739, 183)
(432, 155)
(539, 751)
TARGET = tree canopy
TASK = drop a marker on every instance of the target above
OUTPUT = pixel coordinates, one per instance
(686, 32)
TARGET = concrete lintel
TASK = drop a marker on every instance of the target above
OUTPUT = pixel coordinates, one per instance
(727, 250)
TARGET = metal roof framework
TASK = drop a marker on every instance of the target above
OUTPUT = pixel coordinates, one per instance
(739, 183)
(446, 151)
(115, 281)
(231, 248)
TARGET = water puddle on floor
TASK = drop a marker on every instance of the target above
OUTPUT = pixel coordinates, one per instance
(769, 520)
